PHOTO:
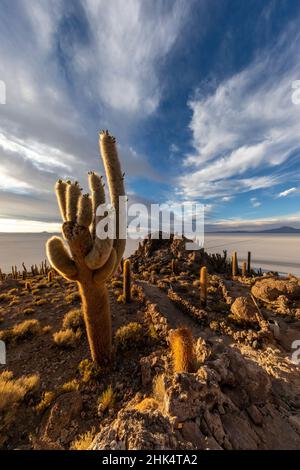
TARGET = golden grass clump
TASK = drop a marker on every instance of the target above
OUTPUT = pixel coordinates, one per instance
(40, 301)
(46, 401)
(66, 338)
(182, 348)
(23, 330)
(28, 311)
(72, 298)
(6, 297)
(129, 335)
(84, 441)
(70, 386)
(107, 399)
(147, 405)
(73, 319)
(88, 370)
(12, 393)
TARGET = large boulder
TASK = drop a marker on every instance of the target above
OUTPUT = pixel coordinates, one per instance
(244, 310)
(268, 290)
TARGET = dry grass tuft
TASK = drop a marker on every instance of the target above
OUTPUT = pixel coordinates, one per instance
(46, 401)
(89, 370)
(84, 441)
(40, 301)
(72, 298)
(66, 338)
(23, 330)
(129, 335)
(146, 405)
(71, 386)
(107, 399)
(28, 311)
(12, 393)
(73, 319)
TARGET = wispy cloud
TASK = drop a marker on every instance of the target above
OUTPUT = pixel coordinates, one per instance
(70, 69)
(255, 202)
(247, 128)
(287, 192)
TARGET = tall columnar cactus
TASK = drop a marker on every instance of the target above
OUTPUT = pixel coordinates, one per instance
(203, 286)
(182, 348)
(244, 269)
(90, 261)
(234, 264)
(126, 281)
(174, 266)
(249, 262)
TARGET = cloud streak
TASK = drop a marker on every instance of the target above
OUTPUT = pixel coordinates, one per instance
(247, 128)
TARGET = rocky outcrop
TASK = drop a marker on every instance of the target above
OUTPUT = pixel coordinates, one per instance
(268, 290)
(226, 404)
(244, 310)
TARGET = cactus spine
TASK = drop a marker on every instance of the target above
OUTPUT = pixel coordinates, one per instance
(234, 264)
(127, 281)
(203, 286)
(182, 348)
(89, 260)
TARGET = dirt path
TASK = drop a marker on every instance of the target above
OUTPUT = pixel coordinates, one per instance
(174, 316)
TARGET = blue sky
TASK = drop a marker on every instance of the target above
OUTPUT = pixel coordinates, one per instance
(198, 94)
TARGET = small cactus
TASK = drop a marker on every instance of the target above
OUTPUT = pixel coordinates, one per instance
(28, 286)
(127, 281)
(234, 264)
(244, 269)
(203, 286)
(174, 266)
(182, 347)
(50, 276)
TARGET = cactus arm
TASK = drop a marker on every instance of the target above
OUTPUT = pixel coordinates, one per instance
(104, 273)
(61, 190)
(85, 211)
(115, 180)
(73, 195)
(97, 191)
(60, 258)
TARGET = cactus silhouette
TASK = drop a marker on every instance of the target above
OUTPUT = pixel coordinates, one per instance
(90, 261)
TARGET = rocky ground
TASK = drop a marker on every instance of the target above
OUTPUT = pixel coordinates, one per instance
(244, 393)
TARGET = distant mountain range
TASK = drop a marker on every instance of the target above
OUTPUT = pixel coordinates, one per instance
(270, 230)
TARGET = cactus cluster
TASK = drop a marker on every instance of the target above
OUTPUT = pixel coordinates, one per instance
(89, 260)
